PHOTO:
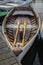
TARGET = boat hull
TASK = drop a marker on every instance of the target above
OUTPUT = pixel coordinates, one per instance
(28, 45)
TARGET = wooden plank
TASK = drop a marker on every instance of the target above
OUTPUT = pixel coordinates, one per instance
(4, 50)
(1, 40)
(5, 56)
(17, 64)
(11, 61)
(2, 45)
(4, 63)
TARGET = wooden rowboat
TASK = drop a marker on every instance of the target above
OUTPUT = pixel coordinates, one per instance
(20, 28)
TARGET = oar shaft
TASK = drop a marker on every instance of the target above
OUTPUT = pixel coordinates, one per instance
(23, 40)
(15, 40)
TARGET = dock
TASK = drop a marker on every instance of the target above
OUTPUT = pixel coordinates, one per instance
(6, 56)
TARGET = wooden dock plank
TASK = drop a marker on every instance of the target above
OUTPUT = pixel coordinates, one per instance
(2, 45)
(6, 56)
(4, 50)
(1, 39)
(17, 64)
(11, 61)
(4, 63)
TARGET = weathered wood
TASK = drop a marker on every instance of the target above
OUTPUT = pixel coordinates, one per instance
(4, 50)
(6, 56)
(1, 40)
(2, 45)
(10, 61)
(17, 64)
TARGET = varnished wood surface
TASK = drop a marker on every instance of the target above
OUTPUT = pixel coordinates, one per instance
(6, 56)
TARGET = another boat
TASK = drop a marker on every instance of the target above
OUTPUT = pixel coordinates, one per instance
(8, 4)
(20, 28)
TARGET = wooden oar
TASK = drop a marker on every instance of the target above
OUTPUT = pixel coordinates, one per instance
(24, 33)
(15, 40)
